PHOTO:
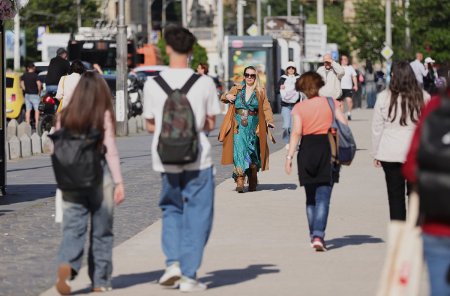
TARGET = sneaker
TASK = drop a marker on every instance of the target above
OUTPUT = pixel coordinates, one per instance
(171, 276)
(62, 283)
(319, 244)
(191, 285)
(101, 289)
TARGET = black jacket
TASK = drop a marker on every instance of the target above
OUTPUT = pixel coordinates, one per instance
(58, 67)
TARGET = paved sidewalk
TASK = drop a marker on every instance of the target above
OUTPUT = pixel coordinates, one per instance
(260, 245)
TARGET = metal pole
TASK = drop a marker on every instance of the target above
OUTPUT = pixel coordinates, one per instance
(121, 76)
(269, 10)
(220, 32)
(17, 42)
(407, 30)
(184, 13)
(149, 21)
(240, 16)
(3, 160)
(388, 23)
(258, 16)
(79, 14)
(320, 12)
(289, 8)
(163, 15)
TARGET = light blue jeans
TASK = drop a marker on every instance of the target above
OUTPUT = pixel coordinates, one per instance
(78, 207)
(286, 114)
(437, 257)
(317, 207)
(187, 202)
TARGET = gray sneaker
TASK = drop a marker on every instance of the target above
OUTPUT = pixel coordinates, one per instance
(191, 285)
(171, 276)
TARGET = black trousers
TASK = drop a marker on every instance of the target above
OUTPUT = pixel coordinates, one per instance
(396, 188)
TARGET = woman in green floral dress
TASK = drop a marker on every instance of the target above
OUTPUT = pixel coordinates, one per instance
(248, 101)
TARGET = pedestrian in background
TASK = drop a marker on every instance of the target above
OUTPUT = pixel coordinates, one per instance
(358, 96)
(58, 67)
(289, 97)
(420, 71)
(187, 195)
(396, 113)
(429, 81)
(203, 69)
(311, 121)
(90, 108)
(332, 74)
(245, 132)
(32, 87)
(349, 85)
(370, 85)
(67, 83)
(435, 229)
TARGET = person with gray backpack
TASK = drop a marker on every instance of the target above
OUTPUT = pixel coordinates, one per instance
(179, 107)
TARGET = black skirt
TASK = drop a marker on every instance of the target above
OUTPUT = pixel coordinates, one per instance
(314, 161)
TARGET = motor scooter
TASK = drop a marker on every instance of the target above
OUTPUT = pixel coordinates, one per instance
(135, 95)
(47, 109)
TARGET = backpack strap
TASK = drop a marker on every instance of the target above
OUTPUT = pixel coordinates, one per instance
(163, 84)
(187, 86)
(333, 111)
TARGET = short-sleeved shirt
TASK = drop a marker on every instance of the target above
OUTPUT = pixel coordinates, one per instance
(315, 115)
(30, 80)
(204, 102)
(346, 81)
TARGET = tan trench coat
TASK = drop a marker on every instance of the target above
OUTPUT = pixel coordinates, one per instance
(229, 127)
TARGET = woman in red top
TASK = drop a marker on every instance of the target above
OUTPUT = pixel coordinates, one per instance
(436, 234)
(311, 120)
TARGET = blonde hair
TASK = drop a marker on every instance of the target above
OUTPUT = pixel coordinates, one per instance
(257, 85)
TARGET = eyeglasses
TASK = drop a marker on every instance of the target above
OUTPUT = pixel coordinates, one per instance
(252, 76)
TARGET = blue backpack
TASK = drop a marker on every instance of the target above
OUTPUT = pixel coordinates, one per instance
(343, 146)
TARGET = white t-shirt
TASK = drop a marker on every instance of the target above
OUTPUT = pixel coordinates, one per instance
(346, 81)
(204, 102)
(289, 94)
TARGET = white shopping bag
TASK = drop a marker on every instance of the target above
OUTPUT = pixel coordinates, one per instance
(58, 206)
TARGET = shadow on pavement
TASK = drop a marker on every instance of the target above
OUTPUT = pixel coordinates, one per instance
(2, 212)
(352, 240)
(127, 280)
(219, 278)
(27, 192)
(276, 187)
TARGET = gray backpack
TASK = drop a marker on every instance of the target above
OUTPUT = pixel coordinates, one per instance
(343, 146)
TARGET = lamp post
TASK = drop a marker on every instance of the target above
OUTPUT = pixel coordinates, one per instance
(2, 112)
(320, 12)
(240, 16)
(121, 75)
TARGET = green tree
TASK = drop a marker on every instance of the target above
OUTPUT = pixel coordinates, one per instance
(60, 16)
(430, 30)
(199, 54)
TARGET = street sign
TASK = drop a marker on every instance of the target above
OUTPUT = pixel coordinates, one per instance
(252, 30)
(387, 52)
(315, 42)
(290, 28)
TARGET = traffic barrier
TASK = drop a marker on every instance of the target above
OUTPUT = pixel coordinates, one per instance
(36, 146)
(24, 129)
(11, 131)
(47, 144)
(25, 146)
(139, 123)
(14, 148)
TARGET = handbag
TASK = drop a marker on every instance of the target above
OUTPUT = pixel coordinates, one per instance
(404, 260)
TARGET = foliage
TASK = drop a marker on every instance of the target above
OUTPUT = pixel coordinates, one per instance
(199, 54)
(8, 9)
(430, 30)
(59, 16)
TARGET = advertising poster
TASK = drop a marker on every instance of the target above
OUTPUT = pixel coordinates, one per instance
(245, 58)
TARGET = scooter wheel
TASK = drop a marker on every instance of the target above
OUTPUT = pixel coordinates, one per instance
(45, 124)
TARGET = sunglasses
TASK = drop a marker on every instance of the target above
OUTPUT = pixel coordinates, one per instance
(290, 67)
(252, 76)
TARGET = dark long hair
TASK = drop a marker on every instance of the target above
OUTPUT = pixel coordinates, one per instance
(86, 110)
(403, 83)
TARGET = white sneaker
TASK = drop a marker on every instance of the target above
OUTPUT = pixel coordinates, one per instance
(171, 277)
(191, 285)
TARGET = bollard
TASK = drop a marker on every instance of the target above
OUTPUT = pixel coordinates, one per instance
(12, 129)
(24, 129)
(144, 124)
(7, 151)
(132, 126)
(139, 123)
(36, 146)
(14, 147)
(25, 146)
(47, 144)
